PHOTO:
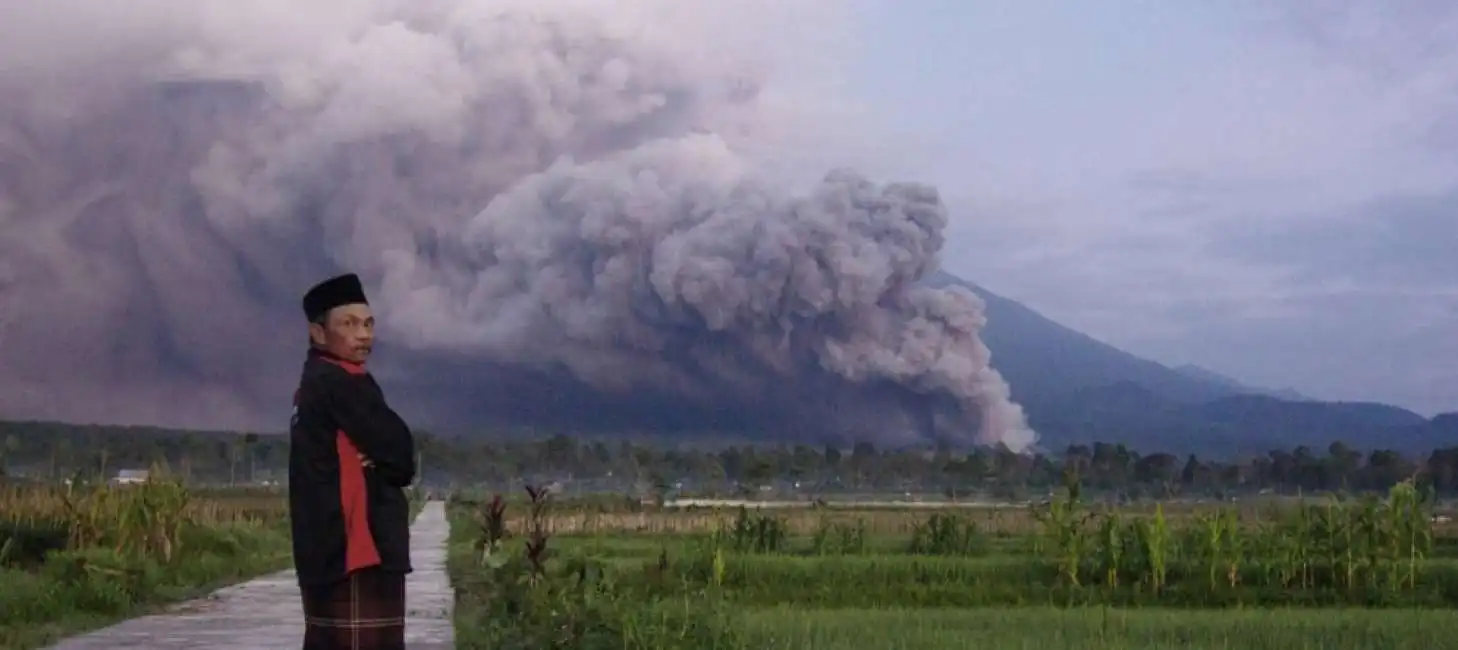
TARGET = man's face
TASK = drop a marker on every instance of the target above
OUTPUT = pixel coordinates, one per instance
(348, 332)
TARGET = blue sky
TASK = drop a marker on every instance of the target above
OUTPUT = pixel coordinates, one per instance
(1269, 190)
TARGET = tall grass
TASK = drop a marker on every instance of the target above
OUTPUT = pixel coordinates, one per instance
(76, 557)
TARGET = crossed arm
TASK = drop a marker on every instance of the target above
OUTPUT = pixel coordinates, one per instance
(383, 439)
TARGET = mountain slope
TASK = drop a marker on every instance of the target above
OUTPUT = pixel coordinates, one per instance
(1205, 374)
(1078, 390)
(1042, 359)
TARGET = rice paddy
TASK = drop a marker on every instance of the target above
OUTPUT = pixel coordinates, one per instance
(1344, 574)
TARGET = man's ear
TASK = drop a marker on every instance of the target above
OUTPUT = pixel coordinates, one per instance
(316, 333)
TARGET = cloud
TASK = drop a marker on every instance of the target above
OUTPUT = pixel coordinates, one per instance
(591, 197)
(1368, 299)
(1272, 197)
(1397, 243)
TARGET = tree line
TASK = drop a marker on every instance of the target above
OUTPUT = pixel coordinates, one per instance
(53, 451)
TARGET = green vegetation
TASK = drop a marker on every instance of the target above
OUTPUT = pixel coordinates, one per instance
(536, 599)
(1341, 573)
(1146, 550)
(1042, 628)
(54, 451)
(80, 557)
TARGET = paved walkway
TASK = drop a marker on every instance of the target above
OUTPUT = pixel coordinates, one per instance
(264, 613)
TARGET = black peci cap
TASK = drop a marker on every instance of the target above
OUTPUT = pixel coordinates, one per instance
(334, 292)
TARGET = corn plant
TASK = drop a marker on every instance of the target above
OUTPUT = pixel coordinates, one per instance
(1110, 553)
(1217, 543)
(1064, 524)
(718, 566)
(1411, 532)
(836, 538)
(754, 532)
(1154, 539)
(946, 534)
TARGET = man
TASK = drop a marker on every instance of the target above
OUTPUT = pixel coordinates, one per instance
(349, 460)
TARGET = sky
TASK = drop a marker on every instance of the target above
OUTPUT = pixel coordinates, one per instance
(1267, 190)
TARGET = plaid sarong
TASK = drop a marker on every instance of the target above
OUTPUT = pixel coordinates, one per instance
(365, 611)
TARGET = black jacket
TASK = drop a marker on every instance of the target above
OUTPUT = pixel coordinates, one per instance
(346, 516)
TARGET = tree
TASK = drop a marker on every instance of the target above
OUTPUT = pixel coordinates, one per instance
(832, 457)
(758, 471)
(234, 449)
(8, 450)
(714, 474)
(250, 440)
(487, 458)
(1192, 472)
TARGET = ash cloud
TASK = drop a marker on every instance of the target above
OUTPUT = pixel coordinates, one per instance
(563, 217)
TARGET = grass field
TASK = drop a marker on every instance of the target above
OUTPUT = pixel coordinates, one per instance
(1042, 628)
(1354, 574)
(73, 559)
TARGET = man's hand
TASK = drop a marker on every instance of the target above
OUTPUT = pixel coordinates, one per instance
(365, 460)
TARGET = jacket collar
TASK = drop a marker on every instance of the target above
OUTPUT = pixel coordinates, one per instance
(351, 367)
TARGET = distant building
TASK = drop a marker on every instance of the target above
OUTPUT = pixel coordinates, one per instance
(130, 477)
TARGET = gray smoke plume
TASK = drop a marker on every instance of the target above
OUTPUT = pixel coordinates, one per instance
(572, 207)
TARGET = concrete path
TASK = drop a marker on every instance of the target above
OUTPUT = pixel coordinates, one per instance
(265, 613)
